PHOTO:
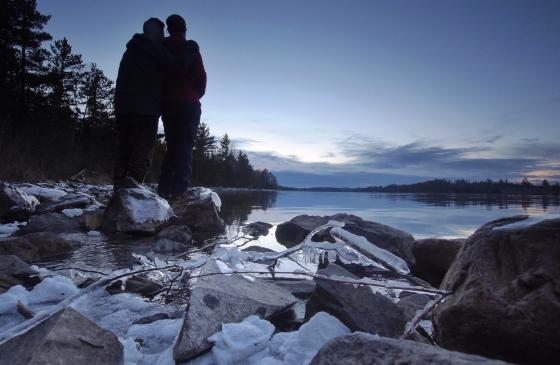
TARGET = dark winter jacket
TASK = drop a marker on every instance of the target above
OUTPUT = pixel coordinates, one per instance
(191, 86)
(142, 71)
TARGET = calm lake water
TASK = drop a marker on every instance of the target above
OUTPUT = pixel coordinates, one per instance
(422, 215)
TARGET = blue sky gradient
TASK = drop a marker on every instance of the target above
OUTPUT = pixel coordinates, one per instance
(353, 93)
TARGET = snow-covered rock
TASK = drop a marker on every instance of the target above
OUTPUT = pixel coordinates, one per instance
(198, 209)
(366, 349)
(43, 193)
(219, 299)
(16, 203)
(66, 337)
(69, 201)
(136, 210)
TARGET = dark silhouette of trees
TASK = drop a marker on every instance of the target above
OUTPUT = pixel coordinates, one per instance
(56, 115)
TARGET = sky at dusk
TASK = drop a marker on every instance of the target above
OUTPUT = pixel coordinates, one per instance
(357, 93)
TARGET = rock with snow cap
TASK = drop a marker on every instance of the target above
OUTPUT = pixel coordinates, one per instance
(136, 210)
(506, 292)
(198, 209)
(366, 349)
(16, 203)
(53, 222)
(69, 201)
(66, 337)
(218, 299)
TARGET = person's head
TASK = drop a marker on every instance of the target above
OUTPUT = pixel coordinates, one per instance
(176, 25)
(153, 29)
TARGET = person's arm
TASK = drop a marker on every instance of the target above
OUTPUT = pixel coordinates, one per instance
(200, 75)
(179, 64)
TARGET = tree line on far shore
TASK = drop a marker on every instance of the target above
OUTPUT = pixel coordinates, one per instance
(460, 186)
(56, 114)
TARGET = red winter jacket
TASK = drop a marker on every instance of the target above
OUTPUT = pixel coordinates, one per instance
(192, 86)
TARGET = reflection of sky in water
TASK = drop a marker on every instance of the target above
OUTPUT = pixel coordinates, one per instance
(419, 214)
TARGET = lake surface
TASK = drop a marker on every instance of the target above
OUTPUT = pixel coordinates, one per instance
(422, 215)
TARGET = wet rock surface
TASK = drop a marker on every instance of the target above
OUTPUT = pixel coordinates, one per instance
(221, 299)
(360, 309)
(434, 257)
(66, 337)
(506, 301)
(33, 246)
(14, 271)
(53, 222)
(393, 240)
(136, 210)
(366, 349)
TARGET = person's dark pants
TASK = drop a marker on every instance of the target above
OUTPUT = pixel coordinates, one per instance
(180, 121)
(137, 135)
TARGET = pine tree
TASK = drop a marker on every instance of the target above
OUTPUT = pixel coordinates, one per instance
(225, 148)
(96, 94)
(65, 71)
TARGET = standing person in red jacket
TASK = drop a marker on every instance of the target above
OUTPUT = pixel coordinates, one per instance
(180, 112)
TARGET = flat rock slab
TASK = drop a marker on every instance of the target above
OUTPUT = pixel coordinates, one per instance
(506, 300)
(53, 222)
(136, 210)
(366, 349)
(66, 337)
(360, 309)
(219, 299)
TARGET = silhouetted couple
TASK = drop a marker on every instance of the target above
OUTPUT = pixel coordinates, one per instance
(158, 77)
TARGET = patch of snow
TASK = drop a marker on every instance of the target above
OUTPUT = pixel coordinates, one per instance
(43, 193)
(362, 243)
(72, 212)
(147, 208)
(94, 234)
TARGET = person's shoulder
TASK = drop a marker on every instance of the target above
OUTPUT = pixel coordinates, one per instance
(191, 44)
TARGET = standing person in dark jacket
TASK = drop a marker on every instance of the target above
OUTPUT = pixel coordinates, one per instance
(143, 68)
(180, 113)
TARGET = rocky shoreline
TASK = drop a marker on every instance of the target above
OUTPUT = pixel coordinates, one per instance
(345, 290)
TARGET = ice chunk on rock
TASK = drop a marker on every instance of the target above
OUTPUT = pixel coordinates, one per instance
(66, 337)
(136, 210)
(72, 212)
(220, 299)
(16, 203)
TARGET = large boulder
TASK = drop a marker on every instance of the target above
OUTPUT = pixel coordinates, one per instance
(14, 271)
(359, 308)
(34, 246)
(506, 293)
(366, 349)
(66, 337)
(198, 210)
(15, 203)
(388, 238)
(218, 299)
(136, 210)
(433, 258)
(53, 222)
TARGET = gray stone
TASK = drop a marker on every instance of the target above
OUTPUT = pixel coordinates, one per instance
(221, 299)
(65, 338)
(196, 210)
(300, 288)
(434, 257)
(135, 285)
(136, 210)
(360, 309)
(391, 239)
(257, 229)
(410, 304)
(255, 248)
(14, 271)
(69, 201)
(506, 300)
(34, 246)
(15, 203)
(366, 349)
(53, 222)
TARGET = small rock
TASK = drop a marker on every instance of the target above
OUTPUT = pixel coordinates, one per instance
(152, 318)
(15, 203)
(257, 249)
(197, 210)
(14, 271)
(53, 222)
(69, 201)
(434, 257)
(66, 337)
(135, 285)
(358, 308)
(34, 246)
(366, 349)
(257, 229)
(218, 299)
(136, 210)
